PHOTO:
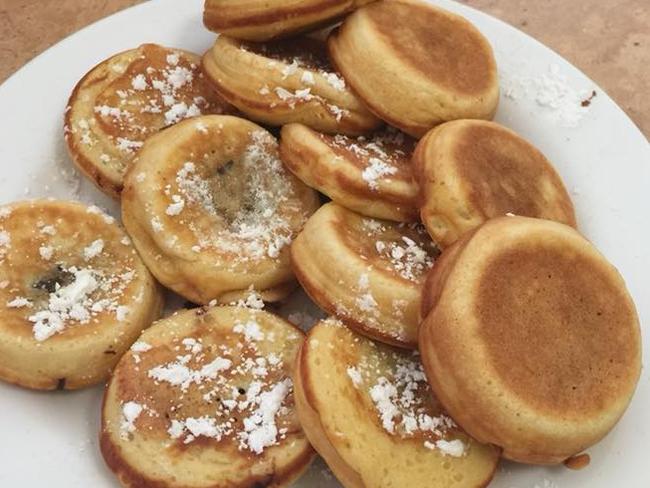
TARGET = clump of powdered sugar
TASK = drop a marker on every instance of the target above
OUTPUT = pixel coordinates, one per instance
(400, 395)
(552, 92)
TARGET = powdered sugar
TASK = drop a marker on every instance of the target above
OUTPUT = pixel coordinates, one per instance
(94, 249)
(176, 207)
(400, 396)
(365, 301)
(177, 373)
(552, 92)
(255, 229)
(376, 170)
(130, 412)
(245, 389)
(89, 293)
(46, 252)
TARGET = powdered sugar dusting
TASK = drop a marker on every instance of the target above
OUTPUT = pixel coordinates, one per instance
(245, 391)
(552, 92)
(252, 222)
(400, 395)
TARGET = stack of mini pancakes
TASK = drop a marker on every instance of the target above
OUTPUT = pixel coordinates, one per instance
(467, 318)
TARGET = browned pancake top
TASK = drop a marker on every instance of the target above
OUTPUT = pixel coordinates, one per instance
(442, 46)
(158, 88)
(213, 385)
(384, 154)
(504, 173)
(559, 331)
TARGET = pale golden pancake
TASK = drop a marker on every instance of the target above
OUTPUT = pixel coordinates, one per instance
(125, 99)
(204, 398)
(367, 272)
(261, 20)
(472, 170)
(416, 65)
(369, 412)
(371, 174)
(531, 340)
(288, 81)
(212, 210)
(74, 294)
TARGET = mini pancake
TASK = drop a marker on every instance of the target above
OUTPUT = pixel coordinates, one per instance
(204, 399)
(125, 99)
(284, 82)
(369, 412)
(367, 272)
(212, 210)
(262, 20)
(471, 170)
(531, 340)
(74, 294)
(371, 175)
(415, 65)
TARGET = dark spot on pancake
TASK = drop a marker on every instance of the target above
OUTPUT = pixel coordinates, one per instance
(109, 351)
(201, 311)
(264, 483)
(60, 384)
(225, 168)
(241, 391)
(542, 335)
(55, 279)
(308, 52)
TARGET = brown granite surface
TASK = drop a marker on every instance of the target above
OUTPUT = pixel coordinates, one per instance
(608, 40)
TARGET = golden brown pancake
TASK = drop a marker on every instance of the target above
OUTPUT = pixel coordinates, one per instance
(367, 272)
(531, 340)
(262, 20)
(125, 99)
(471, 170)
(212, 210)
(415, 65)
(205, 399)
(74, 294)
(288, 81)
(369, 412)
(371, 175)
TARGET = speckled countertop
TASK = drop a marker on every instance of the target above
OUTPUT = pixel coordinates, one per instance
(609, 41)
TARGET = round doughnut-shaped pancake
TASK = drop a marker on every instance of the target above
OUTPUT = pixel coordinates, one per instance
(205, 399)
(369, 412)
(262, 20)
(286, 81)
(125, 99)
(367, 272)
(74, 294)
(415, 65)
(472, 170)
(371, 175)
(531, 340)
(212, 210)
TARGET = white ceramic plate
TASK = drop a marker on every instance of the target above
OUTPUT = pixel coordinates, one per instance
(51, 438)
